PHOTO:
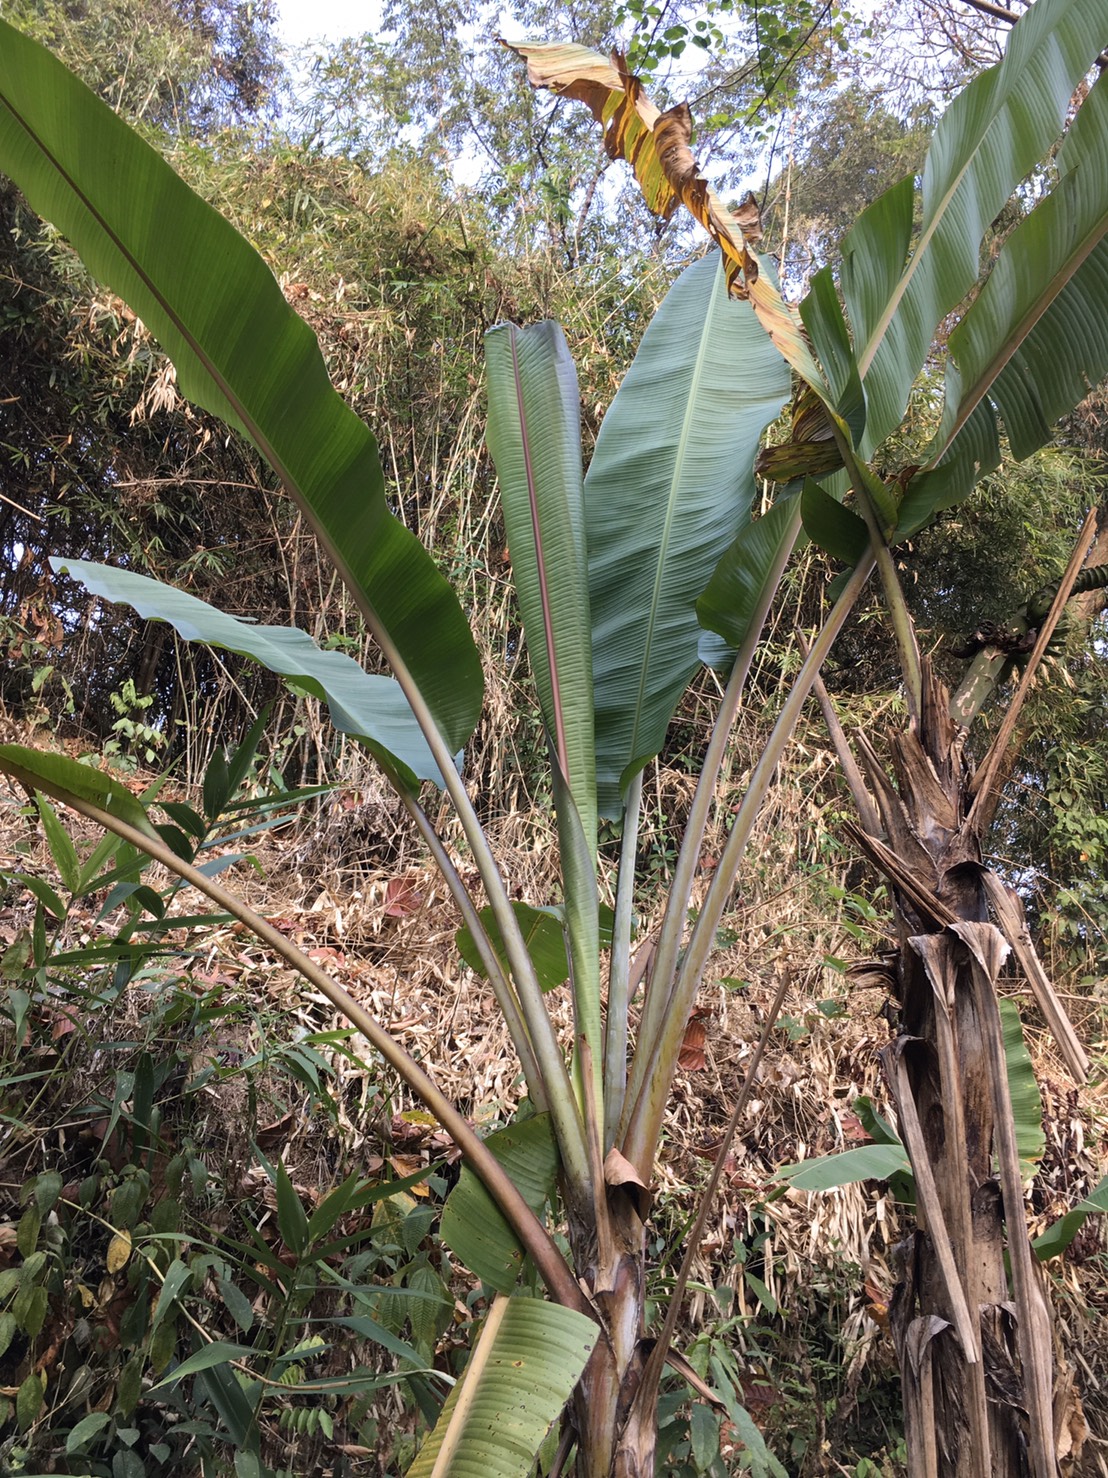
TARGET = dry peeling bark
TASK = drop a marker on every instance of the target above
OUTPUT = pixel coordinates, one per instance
(984, 1389)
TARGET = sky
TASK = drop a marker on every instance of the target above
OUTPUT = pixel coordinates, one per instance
(308, 20)
(311, 20)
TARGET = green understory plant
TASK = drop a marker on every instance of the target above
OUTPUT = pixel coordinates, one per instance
(629, 577)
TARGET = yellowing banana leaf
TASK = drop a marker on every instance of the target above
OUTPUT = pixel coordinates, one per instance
(240, 351)
(656, 145)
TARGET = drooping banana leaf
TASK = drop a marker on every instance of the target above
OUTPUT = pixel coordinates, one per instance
(669, 487)
(1036, 338)
(370, 708)
(240, 352)
(993, 134)
(527, 1360)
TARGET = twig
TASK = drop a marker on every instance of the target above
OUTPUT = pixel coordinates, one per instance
(863, 801)
(982, 782)
(652, 1373)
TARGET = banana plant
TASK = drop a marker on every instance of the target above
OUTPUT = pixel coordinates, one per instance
(628, 576)
(1027, 346)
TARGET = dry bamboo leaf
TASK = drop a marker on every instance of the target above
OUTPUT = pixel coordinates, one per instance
(119, 1252)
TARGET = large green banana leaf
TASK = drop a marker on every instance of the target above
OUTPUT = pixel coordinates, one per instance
(1036, 338)
(371, 709)
(58, 776)
(670, 485)
(988, 140)
(527, 1360)
(534, 434)
(738, 587)
(474, 1227)
(240, 352)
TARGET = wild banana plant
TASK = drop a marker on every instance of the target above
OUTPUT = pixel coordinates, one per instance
(627, 578)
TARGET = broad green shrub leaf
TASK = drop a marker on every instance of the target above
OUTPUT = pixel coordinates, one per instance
(239, 349)
(831, 526)
(867, 1162)
(430, 1309)
(371, 709)
(237, 1304)
(1057, 1238)
(177, 1276)
(28, 1401)
(748, 571)
(48, 1187)
(544, 933)
(61, 777)
(526, 1362)
(669, 487)
(473, 1226)
(85, 1430)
